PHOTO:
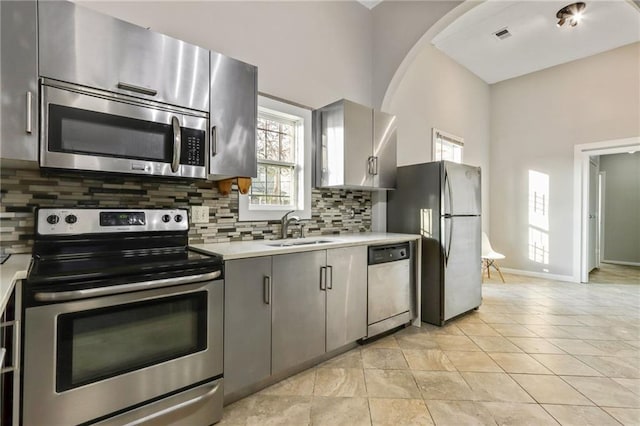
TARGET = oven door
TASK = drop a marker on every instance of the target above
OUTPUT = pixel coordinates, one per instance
(92, 358)
(87, 129)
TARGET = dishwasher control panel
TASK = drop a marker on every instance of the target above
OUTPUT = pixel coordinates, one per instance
(388, 253)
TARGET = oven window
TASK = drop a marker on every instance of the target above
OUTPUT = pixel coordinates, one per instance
(81, 131)
(98, 344)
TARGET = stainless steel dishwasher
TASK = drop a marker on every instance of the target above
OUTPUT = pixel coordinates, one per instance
(389, 281)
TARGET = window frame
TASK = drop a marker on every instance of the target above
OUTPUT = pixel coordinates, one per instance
(444, 137)
(303, 157)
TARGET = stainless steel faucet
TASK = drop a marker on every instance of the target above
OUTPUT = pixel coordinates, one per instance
(286, 221)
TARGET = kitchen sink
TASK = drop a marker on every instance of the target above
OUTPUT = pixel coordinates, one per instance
(299, 243)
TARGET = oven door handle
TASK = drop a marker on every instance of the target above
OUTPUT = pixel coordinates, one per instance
(208, 394)
(62, 296)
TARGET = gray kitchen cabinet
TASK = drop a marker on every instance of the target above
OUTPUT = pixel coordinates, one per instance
(85, 47)
(247, 325)
(346, 296)
(233, 114)
(299, 306)
(19, 81)
(355, 147)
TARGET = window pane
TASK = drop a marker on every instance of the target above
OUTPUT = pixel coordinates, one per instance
(286, 152)
(272, 126)
(260, 144)
(275, 185)
(273, 146)
(446, 150)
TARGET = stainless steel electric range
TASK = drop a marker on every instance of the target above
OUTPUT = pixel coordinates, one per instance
(123, 323)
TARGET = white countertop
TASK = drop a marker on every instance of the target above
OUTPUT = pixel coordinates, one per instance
(256, 248)
(14, 269)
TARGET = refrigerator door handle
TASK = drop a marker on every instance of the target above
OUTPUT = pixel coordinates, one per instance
(450, 237)
(448, 231)
(447, 183)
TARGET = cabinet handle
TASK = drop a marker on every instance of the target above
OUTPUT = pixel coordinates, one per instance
(330, 279)
(370, 165)
(29, 126)
(137, 89)
(214, 140)
(323, 278)
(266, 288)
(375, 165)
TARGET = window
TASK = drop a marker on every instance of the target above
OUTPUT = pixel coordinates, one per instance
(283, 151)
(447, 147)
(276, 153)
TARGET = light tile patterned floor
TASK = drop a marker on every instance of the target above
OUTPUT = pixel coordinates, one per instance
(537, 352)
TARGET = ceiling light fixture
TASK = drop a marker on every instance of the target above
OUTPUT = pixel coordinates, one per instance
(571, 13)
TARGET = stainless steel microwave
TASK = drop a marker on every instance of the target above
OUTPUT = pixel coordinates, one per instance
(95, 130)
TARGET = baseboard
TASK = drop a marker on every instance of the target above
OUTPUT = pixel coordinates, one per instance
(545, 275)
(620, 262)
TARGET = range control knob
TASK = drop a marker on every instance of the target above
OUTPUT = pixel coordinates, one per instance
(53, 219)
(71, 219)
(178, 218)
(166, 218)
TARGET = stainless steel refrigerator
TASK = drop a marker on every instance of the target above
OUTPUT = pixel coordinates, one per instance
(441, 201)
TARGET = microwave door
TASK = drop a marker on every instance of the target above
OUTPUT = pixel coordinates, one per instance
(87, 132)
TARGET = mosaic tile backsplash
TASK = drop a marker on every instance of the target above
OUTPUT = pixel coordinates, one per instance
(22, 190)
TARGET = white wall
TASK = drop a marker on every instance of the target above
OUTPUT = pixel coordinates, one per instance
(438, 92)
(309, 52)
(397, 26)
(536, 120)
(621, 207)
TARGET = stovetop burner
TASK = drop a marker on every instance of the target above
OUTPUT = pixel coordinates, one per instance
(105, 247)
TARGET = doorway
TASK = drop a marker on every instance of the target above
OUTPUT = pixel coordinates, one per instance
(582, 176)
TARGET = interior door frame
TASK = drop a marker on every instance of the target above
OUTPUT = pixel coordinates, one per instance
(581, 154)
(602, 177)
(595, 244)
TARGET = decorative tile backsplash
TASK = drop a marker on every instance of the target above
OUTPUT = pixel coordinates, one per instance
(22, 190)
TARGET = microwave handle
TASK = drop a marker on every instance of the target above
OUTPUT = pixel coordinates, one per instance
(177, 144)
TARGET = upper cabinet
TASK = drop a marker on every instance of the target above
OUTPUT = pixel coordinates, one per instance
(19, 81)
(233, 115)
(355, 147)
(78, 45)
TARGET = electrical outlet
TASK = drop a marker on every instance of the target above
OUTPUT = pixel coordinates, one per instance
(199, 214)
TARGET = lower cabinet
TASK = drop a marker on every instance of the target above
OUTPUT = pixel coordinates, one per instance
(247, 322)
(346, 296)
(298, 317)
(284, 310)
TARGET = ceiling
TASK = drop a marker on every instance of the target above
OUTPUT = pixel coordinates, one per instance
(535, 42)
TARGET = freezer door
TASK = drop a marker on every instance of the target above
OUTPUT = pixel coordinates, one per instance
(461, 190)
(461, 242)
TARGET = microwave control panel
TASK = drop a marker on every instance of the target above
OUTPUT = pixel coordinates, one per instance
(193, 147)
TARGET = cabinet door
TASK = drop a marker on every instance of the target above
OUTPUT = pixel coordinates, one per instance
(19, 81)
(233, 115)
(384, 150)
(247, 322)
(358, 148)
(298, 317)
(82, 46)
(346, 295)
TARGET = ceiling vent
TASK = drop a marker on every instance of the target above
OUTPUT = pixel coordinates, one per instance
(502, 34)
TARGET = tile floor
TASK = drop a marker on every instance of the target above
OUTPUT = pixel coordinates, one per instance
(537, 352)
